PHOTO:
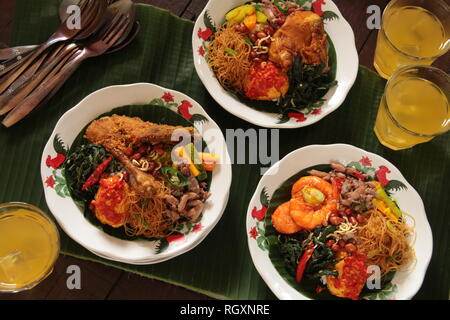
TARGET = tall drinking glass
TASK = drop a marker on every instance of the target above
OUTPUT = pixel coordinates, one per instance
(414, 108)
(413, 32)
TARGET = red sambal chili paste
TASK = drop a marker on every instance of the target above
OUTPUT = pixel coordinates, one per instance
(265, 81)
(111, 203)
(353, 277)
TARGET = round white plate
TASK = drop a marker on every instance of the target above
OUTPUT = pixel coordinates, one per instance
(337, 28)
(70, 217)
(405, 284)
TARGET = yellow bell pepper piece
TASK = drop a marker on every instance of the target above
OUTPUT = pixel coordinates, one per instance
(261, 17)
(382, 207)
(238, 14)
(181, 152)
(233, 13)
(250, 21)
(382, 195)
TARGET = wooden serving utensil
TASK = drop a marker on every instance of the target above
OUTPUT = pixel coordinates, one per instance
(23, 75)
(120, 45)
(9, 53)
(89, 15)
(111, 33)
(27, 87)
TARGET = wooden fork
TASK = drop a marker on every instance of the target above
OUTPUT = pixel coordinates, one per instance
(90, 14)
(109, 35)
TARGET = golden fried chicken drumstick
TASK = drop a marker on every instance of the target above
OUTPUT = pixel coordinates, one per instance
(117, 133)
(302, 34)
(120, 132)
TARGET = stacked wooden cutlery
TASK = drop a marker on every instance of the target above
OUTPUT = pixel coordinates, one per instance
(32, 76)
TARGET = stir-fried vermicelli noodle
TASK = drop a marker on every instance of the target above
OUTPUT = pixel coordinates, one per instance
(228, 56)
(385, 242)
(147, 215)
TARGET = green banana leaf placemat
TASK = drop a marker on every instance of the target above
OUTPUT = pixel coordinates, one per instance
(220, 266)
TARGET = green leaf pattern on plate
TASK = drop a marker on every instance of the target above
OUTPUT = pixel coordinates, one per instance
(258, 232)
(60, 184)
(387, 293)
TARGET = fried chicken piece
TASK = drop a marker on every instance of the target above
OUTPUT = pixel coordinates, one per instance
(302, 34)
(122, 131)
(141, 182)
(117, 133)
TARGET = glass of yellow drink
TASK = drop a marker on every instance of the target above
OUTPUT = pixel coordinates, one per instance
(29, 246)
(414, 108)
(413, 32)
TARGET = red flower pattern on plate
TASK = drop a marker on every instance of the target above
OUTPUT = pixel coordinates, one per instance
(201, 51)
(174, 237)
(365, 161)
(198, 227)
(50, 182)
(317, 7)
(253, 233)
(167, 97)
(317, 111)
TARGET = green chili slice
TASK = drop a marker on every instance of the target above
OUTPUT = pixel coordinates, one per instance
(259, 7)
(280, 6)
(230, 51)
(174, 176)
(248, 41)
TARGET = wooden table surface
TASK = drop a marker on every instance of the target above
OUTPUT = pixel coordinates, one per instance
(102, 282)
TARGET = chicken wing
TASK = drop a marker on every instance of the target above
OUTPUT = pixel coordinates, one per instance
(117, 133)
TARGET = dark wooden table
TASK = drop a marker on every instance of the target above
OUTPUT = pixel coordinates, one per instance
(102, 282)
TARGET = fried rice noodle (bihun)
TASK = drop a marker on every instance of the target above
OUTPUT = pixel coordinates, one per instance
(385, 242)
(228, 56)
(147, 216)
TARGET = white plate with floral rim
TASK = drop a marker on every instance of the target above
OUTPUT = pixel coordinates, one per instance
(337, 28)
(70, 217)
(405, 284)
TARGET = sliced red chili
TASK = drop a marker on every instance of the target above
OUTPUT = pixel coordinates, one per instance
(338, 182)
(319, 289)
(358, 175)
(142, 149)
(302, 263)
(95, 176)
(136, 156)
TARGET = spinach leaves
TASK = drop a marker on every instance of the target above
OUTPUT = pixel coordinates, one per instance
(322, 260)
(307, 86)
(79, 166)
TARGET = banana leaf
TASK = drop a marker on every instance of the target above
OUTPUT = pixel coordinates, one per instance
(220, 266)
